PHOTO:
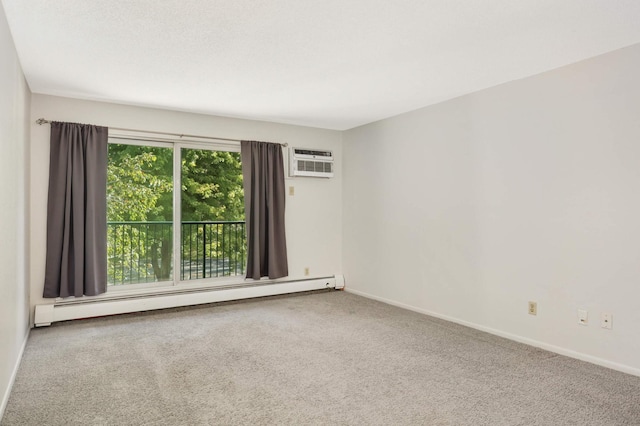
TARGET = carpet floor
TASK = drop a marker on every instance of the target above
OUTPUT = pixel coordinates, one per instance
(329, 358)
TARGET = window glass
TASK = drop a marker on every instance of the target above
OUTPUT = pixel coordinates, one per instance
(212, 200)
(140, 215)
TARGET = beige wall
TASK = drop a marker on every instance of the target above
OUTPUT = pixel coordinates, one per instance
(526, 191)
(14, 151)
(313, 214)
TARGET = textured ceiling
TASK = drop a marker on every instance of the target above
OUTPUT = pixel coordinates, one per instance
(328, 63)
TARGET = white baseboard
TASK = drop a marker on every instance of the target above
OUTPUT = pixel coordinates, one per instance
(531, 342)
(7, 391)
(64, 311)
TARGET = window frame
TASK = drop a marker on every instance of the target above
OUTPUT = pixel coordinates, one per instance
(176, 145)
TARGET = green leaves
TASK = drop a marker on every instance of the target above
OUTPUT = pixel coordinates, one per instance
(211, 185)
(139, 183)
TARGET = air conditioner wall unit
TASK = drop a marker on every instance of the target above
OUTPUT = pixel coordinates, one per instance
(310, 162)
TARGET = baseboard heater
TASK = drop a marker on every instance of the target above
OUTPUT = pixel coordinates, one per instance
(77, 309)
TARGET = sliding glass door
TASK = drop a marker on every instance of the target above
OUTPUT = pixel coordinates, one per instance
(143, 207)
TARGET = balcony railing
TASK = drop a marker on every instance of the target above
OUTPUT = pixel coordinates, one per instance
(142, 252)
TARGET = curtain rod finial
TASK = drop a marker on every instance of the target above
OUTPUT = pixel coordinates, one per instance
(41, 121)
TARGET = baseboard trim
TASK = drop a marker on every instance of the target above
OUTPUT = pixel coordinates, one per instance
(531, 342)
(7, 392)
(64, 311)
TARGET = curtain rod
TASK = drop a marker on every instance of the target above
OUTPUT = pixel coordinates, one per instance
(42, 121)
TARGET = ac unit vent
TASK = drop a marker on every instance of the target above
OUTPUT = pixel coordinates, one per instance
(311, 163)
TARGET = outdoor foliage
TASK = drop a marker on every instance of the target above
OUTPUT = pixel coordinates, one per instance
(139, 183)
(140, 213)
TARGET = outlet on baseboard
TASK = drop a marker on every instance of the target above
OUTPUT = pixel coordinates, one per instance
(533, 308)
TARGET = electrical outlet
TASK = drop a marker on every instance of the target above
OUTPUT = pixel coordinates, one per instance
(292, 190)
(583, 317)
(606, 321)
(533, 308)
(306, 271)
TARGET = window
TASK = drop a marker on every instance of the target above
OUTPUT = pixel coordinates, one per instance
(213, 232)
(141, 213)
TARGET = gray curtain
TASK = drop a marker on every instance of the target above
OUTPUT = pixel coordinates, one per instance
(77, 213)
(264, 199)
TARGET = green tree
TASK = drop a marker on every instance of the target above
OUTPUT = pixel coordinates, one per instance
(139, 182)
(211, 185)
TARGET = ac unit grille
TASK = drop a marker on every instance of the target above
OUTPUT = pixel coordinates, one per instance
(315, 166)
(311, 163)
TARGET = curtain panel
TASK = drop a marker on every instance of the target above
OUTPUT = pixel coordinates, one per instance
(264, 198)
(76, 262)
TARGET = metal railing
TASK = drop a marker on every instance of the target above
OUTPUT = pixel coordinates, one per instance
(142, 252)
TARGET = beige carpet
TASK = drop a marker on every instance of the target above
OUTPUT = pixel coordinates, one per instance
(328, 358)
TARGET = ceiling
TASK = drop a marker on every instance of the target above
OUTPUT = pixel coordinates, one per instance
(333, 64)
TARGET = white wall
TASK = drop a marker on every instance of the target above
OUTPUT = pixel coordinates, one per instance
(14, 151)
(526, 191)
(313, 214)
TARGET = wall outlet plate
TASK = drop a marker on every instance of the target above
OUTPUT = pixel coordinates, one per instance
(583, 317)
(533, 308)
(606, 320)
